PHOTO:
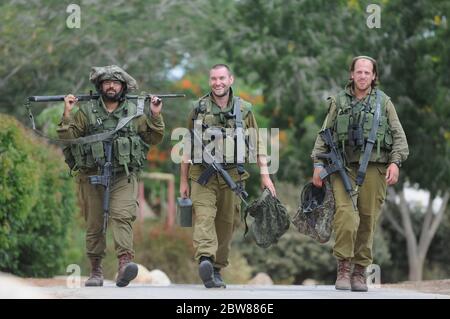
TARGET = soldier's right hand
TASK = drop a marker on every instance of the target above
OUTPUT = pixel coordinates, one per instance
(69, 102)
(184, 189)
(317, 181)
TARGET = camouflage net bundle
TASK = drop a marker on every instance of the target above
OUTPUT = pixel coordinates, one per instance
(315, 214)
(271, 219)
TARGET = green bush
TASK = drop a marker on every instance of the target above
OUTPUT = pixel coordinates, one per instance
(37, 201)
(293, 259)
(171, 252)
(297, 257)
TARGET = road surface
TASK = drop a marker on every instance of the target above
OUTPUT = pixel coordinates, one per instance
(140, 291)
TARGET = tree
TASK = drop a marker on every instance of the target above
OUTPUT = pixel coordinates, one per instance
(420, 49)
(297, 50)
(417, 247)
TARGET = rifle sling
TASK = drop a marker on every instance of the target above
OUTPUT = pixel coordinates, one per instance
(96, 137)
(370, 142)
(239, 135)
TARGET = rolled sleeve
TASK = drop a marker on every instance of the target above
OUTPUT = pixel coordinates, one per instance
(151, 128)
(261, 145)
(319, 145)
(72, 126)
(400, 149)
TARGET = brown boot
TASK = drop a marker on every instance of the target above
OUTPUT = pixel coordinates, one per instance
(343, 274)
(359, 278)
(127, 270)
(96, 277)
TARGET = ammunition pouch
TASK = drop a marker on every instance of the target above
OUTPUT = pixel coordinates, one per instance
(349, 132)
(129, 155)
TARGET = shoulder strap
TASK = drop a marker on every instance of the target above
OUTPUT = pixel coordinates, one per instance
(106, 135)
(139, 111)
(199, 108)
(240, 141)
(370, 142)
(341, 101)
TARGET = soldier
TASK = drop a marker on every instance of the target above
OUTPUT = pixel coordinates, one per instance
(215, 205)
(130, 145)
(350, 115)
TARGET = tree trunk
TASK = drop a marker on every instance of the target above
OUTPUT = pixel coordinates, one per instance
(417, 250)
(416, 269)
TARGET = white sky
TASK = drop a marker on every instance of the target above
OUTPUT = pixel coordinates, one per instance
(420, 198)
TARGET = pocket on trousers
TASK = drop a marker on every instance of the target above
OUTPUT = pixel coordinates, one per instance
(382, 169)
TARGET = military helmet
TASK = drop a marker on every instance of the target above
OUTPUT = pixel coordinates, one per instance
(312, 197)
(315, 214)
(271, 219)
(112, 72)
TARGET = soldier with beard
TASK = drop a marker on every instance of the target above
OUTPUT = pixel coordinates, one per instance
(368, 133)
(130, 145)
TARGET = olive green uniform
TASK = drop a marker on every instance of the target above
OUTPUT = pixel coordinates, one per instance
(216, 206)
(354, 230)
(124, 189)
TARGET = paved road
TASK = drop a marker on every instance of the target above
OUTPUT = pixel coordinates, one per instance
(137, 291)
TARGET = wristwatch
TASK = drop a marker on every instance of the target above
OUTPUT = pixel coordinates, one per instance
(398, 163)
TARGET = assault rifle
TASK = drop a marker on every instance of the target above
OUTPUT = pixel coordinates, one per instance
(335, 163)
(215, 167)
(105, 180)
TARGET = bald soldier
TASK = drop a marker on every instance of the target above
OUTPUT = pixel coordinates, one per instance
(130, 145)
(351, 114)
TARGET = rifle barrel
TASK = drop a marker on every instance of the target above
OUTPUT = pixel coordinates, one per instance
(88, 97)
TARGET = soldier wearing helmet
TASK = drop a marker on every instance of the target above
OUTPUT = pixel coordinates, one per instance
(130, 145)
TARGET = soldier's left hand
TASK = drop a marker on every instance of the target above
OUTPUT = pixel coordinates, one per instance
(392, 174)
(267, 182)
(155, 105)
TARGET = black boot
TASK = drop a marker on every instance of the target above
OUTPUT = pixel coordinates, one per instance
(206, 272)
(128, 270)
(218, 278)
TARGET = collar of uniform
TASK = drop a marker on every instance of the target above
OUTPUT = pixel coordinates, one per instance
(229, 106)
(117, 113)
(351, 93)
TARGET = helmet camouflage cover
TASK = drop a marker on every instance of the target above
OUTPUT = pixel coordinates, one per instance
(271, 219)
(112, 72)
(314, 217)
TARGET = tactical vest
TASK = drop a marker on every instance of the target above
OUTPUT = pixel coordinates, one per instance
(348, 116)
(129, 150)
(217, 119)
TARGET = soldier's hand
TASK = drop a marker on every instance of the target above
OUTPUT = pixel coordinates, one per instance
(267, 182)
(392, 174)
(184, 189)
(317, 181)
(69, 102)
(155, 105)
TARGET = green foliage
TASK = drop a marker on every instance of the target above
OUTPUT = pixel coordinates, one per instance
(296, 258)
(437, 260)
(293, 259)
(36, 205)
(418, 60)
(48, 120)
(294, 53)
(299, 51)
(170, 252)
